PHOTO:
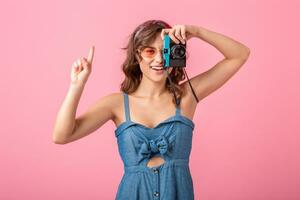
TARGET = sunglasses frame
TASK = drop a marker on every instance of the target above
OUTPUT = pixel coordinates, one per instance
(140, 51)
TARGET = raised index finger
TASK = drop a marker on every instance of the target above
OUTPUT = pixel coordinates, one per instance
(91, 54)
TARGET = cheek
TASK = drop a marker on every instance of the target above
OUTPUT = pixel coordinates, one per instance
(145, 65)
(147, 62)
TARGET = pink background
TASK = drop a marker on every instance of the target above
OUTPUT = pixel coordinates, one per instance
(246, 139)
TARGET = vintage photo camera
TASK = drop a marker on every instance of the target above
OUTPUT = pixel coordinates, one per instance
(174, 55)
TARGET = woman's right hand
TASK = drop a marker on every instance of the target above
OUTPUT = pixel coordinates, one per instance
(82, 68)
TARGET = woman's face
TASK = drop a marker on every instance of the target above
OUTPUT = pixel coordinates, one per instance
(152, 56)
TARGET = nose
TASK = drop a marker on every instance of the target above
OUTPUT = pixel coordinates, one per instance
(159, 57)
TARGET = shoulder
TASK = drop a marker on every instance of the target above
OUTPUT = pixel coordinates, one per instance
(109, 101)
(112, 99)
(115, 101)
(186, 94)
(188, 104)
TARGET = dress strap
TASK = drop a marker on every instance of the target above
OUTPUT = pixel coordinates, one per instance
(126, 106)
(178, 109)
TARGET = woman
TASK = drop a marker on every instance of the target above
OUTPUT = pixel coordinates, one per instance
(153, 112)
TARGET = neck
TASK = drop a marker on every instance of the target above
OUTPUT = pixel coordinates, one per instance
(150, 89)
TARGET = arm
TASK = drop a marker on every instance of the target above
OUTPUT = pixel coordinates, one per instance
(68, 129)
(235, 54)
(65, 121)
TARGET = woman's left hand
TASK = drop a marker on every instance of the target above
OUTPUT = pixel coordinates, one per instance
(180, 33)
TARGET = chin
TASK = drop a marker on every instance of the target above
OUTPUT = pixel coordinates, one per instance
(161, 79)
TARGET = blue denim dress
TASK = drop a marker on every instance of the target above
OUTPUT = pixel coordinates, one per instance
(172, 140)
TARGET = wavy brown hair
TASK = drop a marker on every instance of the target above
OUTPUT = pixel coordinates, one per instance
(142, 36)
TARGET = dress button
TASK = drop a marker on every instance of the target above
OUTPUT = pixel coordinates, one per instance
(156, 194)
(155, 171)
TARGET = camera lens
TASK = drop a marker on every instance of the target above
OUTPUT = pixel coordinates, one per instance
(178, 51)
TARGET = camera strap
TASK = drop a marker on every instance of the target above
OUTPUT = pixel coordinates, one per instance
(173, 87)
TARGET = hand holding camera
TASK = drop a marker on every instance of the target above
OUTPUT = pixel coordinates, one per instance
(82, 68)
(175, 50)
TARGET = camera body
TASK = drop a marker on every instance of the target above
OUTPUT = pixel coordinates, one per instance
(174, 55)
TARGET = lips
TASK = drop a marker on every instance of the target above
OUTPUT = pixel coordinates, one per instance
(157, 68)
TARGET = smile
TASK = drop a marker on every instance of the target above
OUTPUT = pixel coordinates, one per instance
(156, 68)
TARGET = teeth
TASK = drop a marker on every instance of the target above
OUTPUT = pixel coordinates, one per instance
(157, 68)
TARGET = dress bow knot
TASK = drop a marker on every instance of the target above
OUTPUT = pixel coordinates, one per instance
(153, 146)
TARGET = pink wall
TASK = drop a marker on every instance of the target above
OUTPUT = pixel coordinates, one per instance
(246, 137)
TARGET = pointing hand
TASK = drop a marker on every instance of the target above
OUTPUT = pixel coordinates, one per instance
(82, 68)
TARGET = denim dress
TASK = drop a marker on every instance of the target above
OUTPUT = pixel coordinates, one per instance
(172, 140)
